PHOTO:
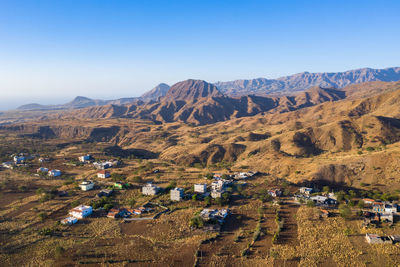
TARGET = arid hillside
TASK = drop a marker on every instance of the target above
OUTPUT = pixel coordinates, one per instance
(325, 138)
(198, 103)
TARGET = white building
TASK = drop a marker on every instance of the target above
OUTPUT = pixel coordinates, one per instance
(217, 193)
(103, 174)
(86, 185)
(200, 188)
(150, 190)
(8, 165)
(306, 190)
(81, 211)
(69, 221)
(219, 185)
(54, 173)
(376, 239)
(390, 208)
(85, 158)
(176, 194)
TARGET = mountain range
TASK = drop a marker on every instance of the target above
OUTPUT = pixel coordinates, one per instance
(288, 85)
(197, 102)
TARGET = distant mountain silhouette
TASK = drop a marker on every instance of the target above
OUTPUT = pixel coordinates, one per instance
(305, 80)
(284, 86)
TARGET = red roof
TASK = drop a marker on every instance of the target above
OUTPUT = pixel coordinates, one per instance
(103, 172)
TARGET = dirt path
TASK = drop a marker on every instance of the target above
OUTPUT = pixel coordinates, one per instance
(288, 235)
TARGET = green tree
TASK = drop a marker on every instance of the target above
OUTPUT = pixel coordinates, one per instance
(207, 201)
(345, 211)
(131, 202)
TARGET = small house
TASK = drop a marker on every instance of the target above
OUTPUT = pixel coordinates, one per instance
(368, 201)
(105, 193)
(69, 221)
(19, 159)
(86, 185)
(200, 188)
(324, 213)
(275, 192)
(103, 174)
(101, 165)
(54, 173)
(8, 165)
(376, 239)
(306, 190)
(219, 185)
(390, 208)
(118, 185)
(85, 158)
(43, 160)
(150, 190)
(217, 193)
(116, 213)
(176, 194)
(386, 217)
(81, 211)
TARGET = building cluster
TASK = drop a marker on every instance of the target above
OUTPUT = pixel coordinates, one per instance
(306, 194)
(376, 211)
(214, 215)
(18, 160)
(219, 186)
(127, 212)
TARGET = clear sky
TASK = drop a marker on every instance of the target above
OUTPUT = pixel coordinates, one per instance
(51, 51)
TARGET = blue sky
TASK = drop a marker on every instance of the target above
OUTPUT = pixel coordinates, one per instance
(51, 51)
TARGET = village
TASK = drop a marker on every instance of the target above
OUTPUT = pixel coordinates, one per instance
(215, 193)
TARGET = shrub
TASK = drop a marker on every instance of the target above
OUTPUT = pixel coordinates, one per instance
(75, 203)
(59, 251)
(137, 179)
(170, 186)
(370, 149)
(345, 211)
(276, 145)
(131, 202)
(310, 203)
(196, 222)
(108, 206)
(207, 201)
(42, 216)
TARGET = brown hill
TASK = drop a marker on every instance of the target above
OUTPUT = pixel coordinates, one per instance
(199, 103)
(192, 90)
